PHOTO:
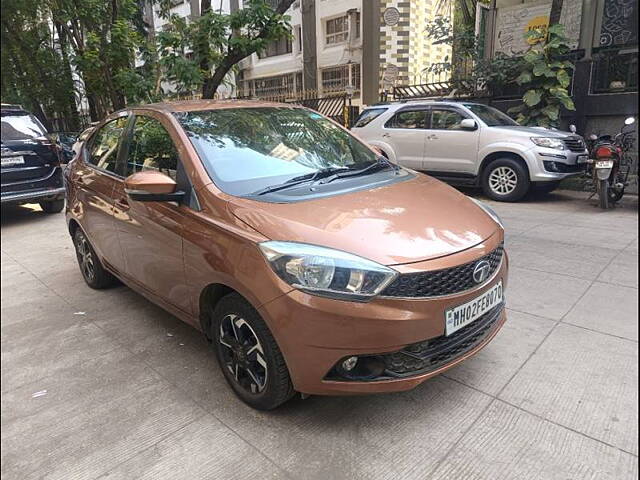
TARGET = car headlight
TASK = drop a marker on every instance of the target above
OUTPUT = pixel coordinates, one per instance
(327, 272)
(548, 142)
(489, 211)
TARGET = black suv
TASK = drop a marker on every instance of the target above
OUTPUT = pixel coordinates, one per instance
(30, 162)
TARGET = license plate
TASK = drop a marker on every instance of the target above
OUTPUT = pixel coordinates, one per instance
(582, 159)
(463, 315)
(604, 164)
(5, 161)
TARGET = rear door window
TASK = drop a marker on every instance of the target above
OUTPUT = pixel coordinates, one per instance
(368, 116)
(409, 119)
(21, 127)
(104, 145)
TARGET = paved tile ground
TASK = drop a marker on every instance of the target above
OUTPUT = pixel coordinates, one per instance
(131, 392)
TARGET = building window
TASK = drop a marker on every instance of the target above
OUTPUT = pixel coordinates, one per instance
(336, 79)
(337, 30)
(278, 47)
(299, 37)
(280, 86)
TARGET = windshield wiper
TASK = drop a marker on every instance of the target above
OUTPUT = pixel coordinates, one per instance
(292, 182)
(380, 163)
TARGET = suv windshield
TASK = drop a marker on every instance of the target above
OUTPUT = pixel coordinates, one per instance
(491, 116)
(21, 126)
(248, 149)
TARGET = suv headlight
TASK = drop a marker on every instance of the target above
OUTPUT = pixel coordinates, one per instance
(548, 142)
(489, 211)
(327, 272)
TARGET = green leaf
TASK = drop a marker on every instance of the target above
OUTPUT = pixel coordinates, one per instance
(563, 78)
(556, 29)
(567, 102)
(551, 111)
(532, 97)
(524, 77)
(532, 56)
(541, 69)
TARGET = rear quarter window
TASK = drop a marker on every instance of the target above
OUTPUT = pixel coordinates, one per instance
(367, 116)
(21, 127)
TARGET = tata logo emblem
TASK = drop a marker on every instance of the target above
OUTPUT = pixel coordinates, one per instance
(481, 271)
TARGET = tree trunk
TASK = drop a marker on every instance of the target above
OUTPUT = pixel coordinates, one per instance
(556, 11)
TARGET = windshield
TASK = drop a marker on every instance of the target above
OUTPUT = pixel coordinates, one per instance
(248, 149)
(491, 116)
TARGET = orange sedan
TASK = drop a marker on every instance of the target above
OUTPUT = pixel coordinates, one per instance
(311, 263)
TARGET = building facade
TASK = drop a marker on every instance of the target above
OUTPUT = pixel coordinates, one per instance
(354, 46)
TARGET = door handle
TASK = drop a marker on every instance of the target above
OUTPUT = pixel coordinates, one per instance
(385, 135)
(432, 137)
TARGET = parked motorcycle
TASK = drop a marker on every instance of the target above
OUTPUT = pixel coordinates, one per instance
(609, 163)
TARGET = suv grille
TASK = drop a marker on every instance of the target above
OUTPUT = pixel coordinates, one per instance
(441, 282)
(423, 357)
(575, 144)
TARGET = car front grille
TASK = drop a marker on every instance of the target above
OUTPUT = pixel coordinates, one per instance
(429, 355)
(436, 283)
(575, 144)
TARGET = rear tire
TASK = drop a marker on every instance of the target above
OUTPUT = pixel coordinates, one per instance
(505, 180)
(92, 270)
(248, 355)
(603, 193)
(52, 206)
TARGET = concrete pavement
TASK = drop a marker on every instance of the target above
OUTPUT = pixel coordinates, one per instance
(104, 384)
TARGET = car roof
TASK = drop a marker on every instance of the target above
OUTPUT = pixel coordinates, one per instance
(200, 105)
(405, 103)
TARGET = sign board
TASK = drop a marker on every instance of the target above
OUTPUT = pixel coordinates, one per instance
(514, 22)
(390, 74)
(391, 16)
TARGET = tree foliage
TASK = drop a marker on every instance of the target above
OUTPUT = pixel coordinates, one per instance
(470, 71)
(546, 77)
(201, 52)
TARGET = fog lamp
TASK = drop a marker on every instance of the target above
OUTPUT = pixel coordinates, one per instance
(350, 363)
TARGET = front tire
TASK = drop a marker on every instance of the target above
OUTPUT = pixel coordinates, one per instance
(248, 355)
(505, 180)
(92, 270)
(52, 206)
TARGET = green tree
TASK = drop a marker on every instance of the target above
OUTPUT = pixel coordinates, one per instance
(104, 37)
(201, 52)
(546, 77)
(35, 69)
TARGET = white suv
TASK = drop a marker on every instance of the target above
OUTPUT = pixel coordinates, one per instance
(468, 143)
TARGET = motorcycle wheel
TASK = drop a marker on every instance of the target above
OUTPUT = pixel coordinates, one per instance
(603, 193)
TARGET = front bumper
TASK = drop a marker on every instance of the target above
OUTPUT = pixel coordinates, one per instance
(315, 333)
(550, 165)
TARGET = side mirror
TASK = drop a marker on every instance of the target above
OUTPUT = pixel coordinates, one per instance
(468, 124)
(151, 186)
(630, 120)
(572, 128)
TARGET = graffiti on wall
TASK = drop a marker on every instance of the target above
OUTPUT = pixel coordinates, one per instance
(619, 23)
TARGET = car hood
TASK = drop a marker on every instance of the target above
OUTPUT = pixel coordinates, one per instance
(410, 221)
(533, 132)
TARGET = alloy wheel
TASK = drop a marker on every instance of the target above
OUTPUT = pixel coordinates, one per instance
(503, 180)
(85, 258)
(243, 354)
